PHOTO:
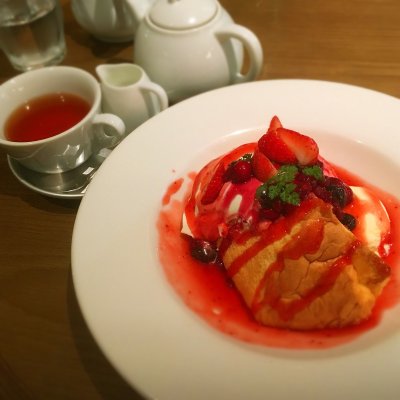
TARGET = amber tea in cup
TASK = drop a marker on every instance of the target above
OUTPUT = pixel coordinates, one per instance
(45, 116)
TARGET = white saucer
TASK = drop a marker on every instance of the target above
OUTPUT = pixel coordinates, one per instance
(66, 185)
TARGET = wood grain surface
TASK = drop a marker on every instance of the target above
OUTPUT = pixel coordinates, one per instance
(46, 350)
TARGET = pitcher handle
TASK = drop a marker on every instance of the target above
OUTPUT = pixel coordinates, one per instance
(158, 91)
(111, 137)
(251, 44)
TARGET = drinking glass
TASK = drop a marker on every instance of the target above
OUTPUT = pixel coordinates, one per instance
(32, 33)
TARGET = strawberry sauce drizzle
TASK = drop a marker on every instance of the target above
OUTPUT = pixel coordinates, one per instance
(288, 310)
(274, 233)
(308, 241)
(208, 291)
(172, 189)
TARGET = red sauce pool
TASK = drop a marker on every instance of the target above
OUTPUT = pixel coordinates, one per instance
(208, 291)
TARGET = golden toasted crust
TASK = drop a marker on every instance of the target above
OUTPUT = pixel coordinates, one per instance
(335, 285)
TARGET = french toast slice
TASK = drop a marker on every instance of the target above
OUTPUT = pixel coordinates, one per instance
(306, 271)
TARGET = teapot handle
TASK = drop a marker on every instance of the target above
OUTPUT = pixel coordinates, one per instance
(251, 44)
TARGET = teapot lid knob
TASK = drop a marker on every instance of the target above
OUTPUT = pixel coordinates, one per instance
(182, 14)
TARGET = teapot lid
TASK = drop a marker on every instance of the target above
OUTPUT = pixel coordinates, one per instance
(182, 14)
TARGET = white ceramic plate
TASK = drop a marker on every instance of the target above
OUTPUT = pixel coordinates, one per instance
(160, 346)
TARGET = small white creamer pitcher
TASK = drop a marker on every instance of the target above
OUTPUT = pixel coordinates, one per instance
(128, 93)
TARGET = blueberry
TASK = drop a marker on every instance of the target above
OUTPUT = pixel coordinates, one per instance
(203, 251)
(349, 221)
(341, 192)
(338, 195)
(263, 197)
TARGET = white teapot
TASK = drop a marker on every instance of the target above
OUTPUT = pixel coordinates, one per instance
(110, 20)
(191, 46)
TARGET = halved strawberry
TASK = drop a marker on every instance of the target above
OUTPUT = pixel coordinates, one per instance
(272, 146)
(305, 148)
(263, 169)
(214, 185)
(274, 124)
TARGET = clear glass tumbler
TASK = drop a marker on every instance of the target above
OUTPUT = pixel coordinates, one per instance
(32, 33)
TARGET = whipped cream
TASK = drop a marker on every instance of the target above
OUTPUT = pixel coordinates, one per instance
(373, 223)
(234, 200)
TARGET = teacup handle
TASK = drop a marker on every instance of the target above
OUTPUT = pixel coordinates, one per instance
(251, 44)
(158, 91)
(114, 136)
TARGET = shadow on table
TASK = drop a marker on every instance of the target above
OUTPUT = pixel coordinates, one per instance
(11, 187)
(98, 48)
(106, 379)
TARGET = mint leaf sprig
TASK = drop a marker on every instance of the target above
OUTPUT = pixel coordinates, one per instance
(282, 186)
(314, 171)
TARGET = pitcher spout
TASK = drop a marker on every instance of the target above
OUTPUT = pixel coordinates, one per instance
(118, 75)
(101, 72)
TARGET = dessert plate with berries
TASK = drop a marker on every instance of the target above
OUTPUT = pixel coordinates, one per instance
(244, 243)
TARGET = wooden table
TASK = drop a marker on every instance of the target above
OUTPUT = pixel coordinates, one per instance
(46, 350)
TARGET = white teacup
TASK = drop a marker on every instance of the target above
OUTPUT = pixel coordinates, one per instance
(72, 147)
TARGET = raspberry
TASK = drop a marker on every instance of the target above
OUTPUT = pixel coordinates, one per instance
(323, 193)
(304, 184)
(240, 171)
